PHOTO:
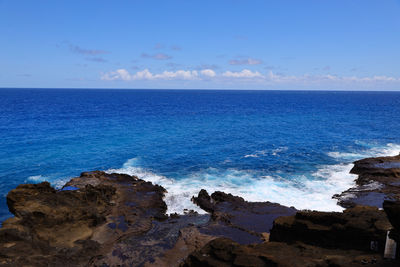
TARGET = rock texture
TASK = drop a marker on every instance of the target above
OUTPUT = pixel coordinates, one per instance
(101, 219)
(359, 228)
(355, 237)
(97, 219)
(378, 180)
(223, 252)
(242, 221)
(392, 209)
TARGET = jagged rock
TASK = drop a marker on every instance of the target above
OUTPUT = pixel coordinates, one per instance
(378, 180)
(356, 228)
(225, 252)
(97, 219)
(242, 221)
(392, 209)
(101, 219)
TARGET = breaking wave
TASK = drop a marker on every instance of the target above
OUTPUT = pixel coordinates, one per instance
(308, 191)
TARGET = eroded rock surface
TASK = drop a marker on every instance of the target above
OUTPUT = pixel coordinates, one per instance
(378, 180)
(223, 252)
(101, 219)
(355, 237)
(242, 221)
(359, 228)
(97, 219)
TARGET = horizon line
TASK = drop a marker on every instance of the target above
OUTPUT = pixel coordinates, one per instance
(196, 89)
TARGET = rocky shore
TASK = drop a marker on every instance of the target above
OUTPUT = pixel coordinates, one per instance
(101, 219)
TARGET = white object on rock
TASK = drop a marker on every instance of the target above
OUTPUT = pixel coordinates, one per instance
(390, 247)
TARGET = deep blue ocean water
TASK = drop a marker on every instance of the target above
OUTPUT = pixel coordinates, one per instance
(291, 147)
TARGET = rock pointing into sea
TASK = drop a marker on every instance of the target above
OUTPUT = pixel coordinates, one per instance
(378, 180)
(97, 219)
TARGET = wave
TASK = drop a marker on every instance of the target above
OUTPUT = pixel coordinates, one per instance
(273, 152)
(376, 151)
(55, 182)
(36, 179)
(300, 192)
(312, 191)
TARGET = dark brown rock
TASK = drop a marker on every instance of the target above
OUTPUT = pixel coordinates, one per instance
(99, 219)
(242, 221)
(354, 228)
(225, 252)
(392, 209)
(378, 180)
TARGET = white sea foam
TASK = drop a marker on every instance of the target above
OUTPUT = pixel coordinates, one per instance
(277, 151)
(378, 151)
(36, 179)
(256, 154)
(313, 191)
(273, 152)
(301, 192)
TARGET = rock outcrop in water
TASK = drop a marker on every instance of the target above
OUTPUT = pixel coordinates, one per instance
(97, 219)
(242, 221)
(355, 237)
(101, 219)
(378, 180)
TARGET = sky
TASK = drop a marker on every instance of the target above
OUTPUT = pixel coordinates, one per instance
(218, 44)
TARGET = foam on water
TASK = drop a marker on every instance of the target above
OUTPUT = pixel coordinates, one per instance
(301, 192)
(273, 152)
(378, 151)
(313, 191)
(36, 179)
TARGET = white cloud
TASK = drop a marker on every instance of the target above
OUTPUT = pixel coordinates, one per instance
(312, 79)
(158, 56)
(243, 74)
(179, 74)
(208, 73)
(248, 76)
(123, 74)
(245, 61)
(84, 51)
(120, 74)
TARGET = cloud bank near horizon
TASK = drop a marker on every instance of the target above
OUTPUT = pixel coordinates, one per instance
(245, 76)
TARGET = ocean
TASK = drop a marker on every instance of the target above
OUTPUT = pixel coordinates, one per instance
(291, 147)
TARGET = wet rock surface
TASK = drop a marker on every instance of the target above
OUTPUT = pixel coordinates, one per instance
(97, 219)
(359, 228)
(354, 237)
(242, 221)
(225, 252)
(378, 180)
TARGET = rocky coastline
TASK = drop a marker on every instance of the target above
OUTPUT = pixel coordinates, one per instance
(102, 219)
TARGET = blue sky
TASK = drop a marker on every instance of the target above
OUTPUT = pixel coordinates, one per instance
(219, 44)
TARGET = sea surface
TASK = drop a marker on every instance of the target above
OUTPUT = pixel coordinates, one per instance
(291, 147)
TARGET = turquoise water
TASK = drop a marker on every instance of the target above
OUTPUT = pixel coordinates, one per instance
(291, 147)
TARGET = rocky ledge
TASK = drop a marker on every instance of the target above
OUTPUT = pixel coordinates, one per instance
(378, 180)
(101, 219)
(355, 237)
(97, 219)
